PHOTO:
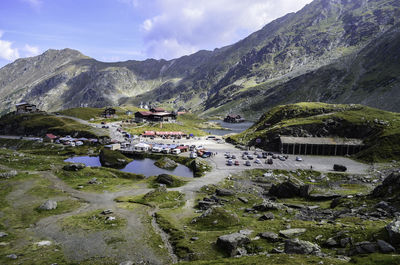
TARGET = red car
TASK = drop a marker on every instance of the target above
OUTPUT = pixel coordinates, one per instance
(237, 163)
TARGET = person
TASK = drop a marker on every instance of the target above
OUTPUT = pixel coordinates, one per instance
(311, 167)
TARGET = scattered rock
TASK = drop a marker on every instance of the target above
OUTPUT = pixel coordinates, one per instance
(3, 234)
(205, 205)
(108, 211)
(267, 216)
(93, 181)
(289, 233)
(336, 202)
(323, 197)
(365, 247)
(48, 205)
(296, 246)
(340, 168)
(243, 199)
(290, 190)
(389, 186)
(269, 236)
(385, 247)
(224, 192)
(393, 230)
(44, 243)
(74, 167)
(127, 263)
(165, 179)
(266, 206)
(230, 243)
(9, 174)
(195, 238)
(166, 163)
(12, 256)
(331, 242)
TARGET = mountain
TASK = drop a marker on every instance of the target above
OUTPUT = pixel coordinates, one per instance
(331, 50)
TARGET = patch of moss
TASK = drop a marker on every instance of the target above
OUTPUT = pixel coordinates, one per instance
(92, 221)
(157, 198)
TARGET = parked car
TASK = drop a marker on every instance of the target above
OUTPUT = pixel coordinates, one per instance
(258, 161)
(244, 157)
(78, 143)
(176, 151)
(233, 156)
(193, 155)
(259, 156)
(274, 156)
(299, 159)
(250, 157)
(229, 162)
(248, 163)
(245, 153)
(269, 161)
(237, 163)
(282, 158)
(264, 155)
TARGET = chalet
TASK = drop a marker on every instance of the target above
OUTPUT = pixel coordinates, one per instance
(24, 107)
(155, 116)
(108, 113)
(233, 118)
(155, 110)
(50, 138)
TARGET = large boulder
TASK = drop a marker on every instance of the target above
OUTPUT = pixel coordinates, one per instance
(389, 187)
(266, 206)
(224, 192)
(74, 167)
(365, 247)
(230, 243)
(113, 159)
(216, 218)
(296, 246)
(48, 205)
(289, 233)
(290, 190)
(165, 179)
(393, 230)
(340, 168)
(270, 236)
(166, 163)
(385, 247)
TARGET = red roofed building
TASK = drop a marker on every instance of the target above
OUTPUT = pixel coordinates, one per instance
(50, 137)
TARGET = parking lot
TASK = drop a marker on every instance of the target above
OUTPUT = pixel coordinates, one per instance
(319, 163)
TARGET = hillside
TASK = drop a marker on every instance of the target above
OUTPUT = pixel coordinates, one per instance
(379, 129)
(328, 51)
(39, 124)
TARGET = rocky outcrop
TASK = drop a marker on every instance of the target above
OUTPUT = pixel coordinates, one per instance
(166, 163)
(48, 205)
(290, 190)
(230, 243)
(296, 246)
(389, 187)
(74, 167)
(113, 159)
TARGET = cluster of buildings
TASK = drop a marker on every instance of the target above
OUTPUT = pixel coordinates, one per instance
(155, 115)
(166, 135)
(24, 107)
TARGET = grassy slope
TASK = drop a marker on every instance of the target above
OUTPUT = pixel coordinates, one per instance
(382, 143)
(88, 113)
(36, 124)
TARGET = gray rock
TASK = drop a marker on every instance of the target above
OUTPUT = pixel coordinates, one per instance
(266, 206)
(290, 190)
(195, 238)
(224, 192)
(269, 236)
(331, 242)
(165, 179)
(166, 163)
(296, 246)
(393, 230)
(205, 205)
(340, 168)
(385, 247)
(9, 174)
(243, 199)
(3, 234)
(93, 181)
(74, 167)
(323, 197)
(346, 241)
(12, 256)
(365, 247)
(48, 205)
(230, 243)
(267, 216)
(108, 211)
(289, 233)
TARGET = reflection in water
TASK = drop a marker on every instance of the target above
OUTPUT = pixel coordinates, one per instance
(145, 166)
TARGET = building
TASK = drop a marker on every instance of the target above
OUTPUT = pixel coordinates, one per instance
(233, 118)
(113, 147)
(157, 110)
(155, 115)
(141, 147)
(108, 113)
(320, 146)
(24, 107)
(50, 138)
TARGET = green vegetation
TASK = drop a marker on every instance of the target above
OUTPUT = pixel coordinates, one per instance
(114, 159)
(41, 123)
(379, 129)
(105, 179)
(95, 113)
(176, 182)
(157, 198)
(93, 221)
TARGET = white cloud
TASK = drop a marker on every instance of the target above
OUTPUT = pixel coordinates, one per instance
(7, 52)
(179, 27)
(31, 50)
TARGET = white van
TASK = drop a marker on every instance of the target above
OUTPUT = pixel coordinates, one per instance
(156, 150)
(176, 151)
(193, 155)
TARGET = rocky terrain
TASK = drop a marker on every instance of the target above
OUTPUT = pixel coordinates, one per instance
(334, 51)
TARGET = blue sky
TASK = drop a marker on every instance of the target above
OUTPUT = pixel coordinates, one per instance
(117, 30)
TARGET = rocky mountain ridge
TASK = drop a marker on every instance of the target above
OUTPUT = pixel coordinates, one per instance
(324, 52)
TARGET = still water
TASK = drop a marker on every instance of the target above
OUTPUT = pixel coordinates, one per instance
(233, 127)
(145, 166)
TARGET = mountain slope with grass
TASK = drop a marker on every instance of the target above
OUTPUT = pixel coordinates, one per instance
(331, 50)
(380, 130)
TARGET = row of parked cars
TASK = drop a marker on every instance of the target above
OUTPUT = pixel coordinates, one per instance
(257, 156)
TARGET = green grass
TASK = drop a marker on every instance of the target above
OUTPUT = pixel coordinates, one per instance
(157, 198)
(95, 113)
(41, 123)
(177, 182)
(92, 221)
(111, 179)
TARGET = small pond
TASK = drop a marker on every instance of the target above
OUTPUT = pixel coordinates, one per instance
(233, 127)
(145, 166)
